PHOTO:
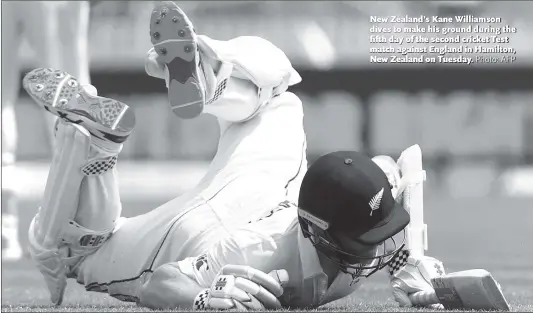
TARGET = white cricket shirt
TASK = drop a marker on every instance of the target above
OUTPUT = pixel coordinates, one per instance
(271, 243)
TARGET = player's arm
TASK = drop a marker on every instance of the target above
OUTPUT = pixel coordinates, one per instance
(169, 288)
(222, 278)
(176, 284)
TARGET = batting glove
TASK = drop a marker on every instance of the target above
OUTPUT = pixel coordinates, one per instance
(411, 280)
(243, 288)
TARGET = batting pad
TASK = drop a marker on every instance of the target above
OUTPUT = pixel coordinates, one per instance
(81, 201)
(60, 200)
(58, 206)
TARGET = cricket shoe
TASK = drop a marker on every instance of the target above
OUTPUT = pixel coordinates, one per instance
(107, 120)
(191, 83)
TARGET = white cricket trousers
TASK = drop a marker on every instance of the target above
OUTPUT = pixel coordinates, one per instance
(259, 163)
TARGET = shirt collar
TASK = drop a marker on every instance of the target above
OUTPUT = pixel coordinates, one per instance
(308, 256)
(311, 269)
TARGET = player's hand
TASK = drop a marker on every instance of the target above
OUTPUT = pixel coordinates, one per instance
(243, 288)
(414, 280)
(153, 66)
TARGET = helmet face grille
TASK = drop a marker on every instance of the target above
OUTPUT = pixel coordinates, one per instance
(366, 266)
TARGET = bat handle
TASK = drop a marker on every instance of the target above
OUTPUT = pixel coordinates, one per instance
(417, 240)
(424, 298)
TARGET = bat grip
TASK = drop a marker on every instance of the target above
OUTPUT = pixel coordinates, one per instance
(424, 298)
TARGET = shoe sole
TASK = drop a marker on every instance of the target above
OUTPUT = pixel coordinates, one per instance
(174, 39)
(60, 94)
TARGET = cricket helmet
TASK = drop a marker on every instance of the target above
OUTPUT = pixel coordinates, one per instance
(347, 210)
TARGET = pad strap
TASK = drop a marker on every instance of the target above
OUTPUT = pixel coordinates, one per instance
(83, 240)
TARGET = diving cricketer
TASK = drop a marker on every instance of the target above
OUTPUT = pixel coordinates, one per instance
(259, 231)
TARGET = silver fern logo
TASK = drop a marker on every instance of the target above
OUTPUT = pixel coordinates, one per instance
(375, 201)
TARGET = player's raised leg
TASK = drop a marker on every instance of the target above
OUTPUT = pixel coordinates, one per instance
(261, 123)
(81, 204)
(242, 82)
(11, 250)
(197, 68)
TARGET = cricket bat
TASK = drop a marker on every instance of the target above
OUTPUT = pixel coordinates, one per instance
(412, 190)
(413, 177)
(465, 290)
(472, 289)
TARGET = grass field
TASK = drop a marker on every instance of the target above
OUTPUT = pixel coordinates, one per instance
(494, 234)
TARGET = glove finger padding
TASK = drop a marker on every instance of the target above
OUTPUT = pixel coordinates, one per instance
(240, 307)
(257, 276)
(254, 304)
(221, 304)
(238, 287)
(418, 272)
(400, 296)
(426, 298)
(259, 293)
(281, 276)
(229, 304)
(415, 277)
(224, 288)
